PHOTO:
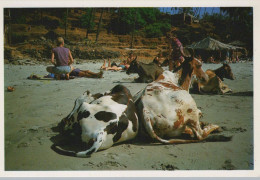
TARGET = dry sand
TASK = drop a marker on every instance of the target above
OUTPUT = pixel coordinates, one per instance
(38, 105)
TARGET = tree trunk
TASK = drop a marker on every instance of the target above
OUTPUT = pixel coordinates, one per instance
(99, 24)
(92, 15)
(199, 13)
(132, 38)
(66, 19)
(9, 28)
(205, 11)
(212, 11)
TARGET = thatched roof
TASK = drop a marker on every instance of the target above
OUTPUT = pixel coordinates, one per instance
(237, 43)
(211, 44)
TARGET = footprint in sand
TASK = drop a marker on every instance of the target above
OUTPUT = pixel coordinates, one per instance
(228, 165)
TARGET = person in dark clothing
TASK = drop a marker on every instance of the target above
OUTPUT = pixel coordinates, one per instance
(176, 51)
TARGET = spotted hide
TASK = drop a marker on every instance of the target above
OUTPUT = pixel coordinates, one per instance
(167, 111)
(103, 119)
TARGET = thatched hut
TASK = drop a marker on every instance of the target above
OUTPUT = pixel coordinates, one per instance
(212, 47)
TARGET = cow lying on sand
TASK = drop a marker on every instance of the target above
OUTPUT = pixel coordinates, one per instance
(147, 72)
(102, 119)
(167, 110)
(214, 85)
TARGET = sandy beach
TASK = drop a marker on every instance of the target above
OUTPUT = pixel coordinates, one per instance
(38, 105)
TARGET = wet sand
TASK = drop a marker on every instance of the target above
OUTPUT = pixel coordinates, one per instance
(38, 105)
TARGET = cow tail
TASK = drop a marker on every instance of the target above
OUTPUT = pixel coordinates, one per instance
(95, 146)
(61, 151)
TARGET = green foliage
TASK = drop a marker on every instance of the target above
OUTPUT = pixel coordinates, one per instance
(188, 10)
(240, 23)
(157, 29)
(18, 16)
(64, 18)
(87, 19)
(20, 20)
(127, 20)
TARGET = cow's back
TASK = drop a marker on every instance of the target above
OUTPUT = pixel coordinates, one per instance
(150, 70)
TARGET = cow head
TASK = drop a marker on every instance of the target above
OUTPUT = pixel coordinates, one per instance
(227, 72)
(192, 66)
(133, 66)
(197, 69)
(68, 122)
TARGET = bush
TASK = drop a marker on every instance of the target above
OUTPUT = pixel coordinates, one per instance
(18, 38)
(8, 53)
(19, 20)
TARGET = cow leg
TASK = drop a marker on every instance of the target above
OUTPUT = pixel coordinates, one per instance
(201, 133)
(224, 88)
(138, 80)
(96, 145)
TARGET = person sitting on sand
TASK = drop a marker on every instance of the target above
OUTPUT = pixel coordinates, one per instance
(130, 58)
(237, 58)
(114, 67)
(211, 60)
(63, 61)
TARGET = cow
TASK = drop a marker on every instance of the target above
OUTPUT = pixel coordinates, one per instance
(166, 110)
(147, 72)
(165, 63)
(215, 84)
(102, 120)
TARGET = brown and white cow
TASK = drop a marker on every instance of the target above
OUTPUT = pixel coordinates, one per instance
(147, 72)
(215, 84)
(103, 119)
(167, 110)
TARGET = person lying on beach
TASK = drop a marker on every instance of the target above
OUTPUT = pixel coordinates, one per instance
(62, 62)
(85, 73)
(76, 72)
(114, 67)
(211, 60)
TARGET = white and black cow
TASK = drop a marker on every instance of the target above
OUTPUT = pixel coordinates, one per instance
(167, 110)
(103, 119)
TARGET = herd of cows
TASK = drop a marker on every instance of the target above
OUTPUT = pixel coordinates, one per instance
(163, 110)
